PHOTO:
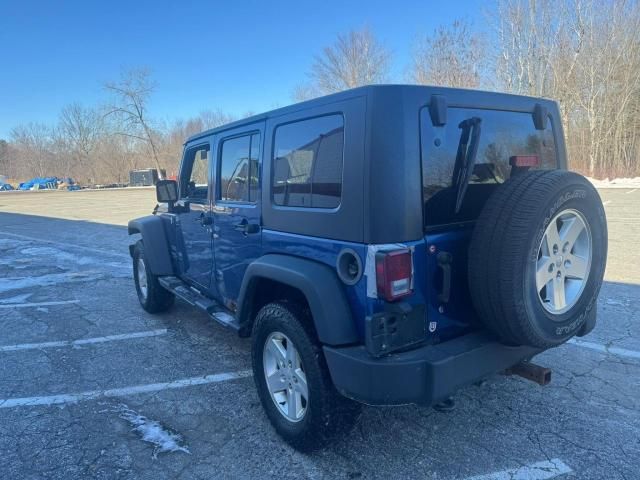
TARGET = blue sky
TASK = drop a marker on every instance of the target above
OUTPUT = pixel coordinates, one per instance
(237, 56)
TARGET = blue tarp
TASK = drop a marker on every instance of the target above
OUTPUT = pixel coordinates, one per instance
(41, 182)
(45, 183)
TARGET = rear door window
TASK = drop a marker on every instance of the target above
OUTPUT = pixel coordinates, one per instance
(503, 135)
(240, 169)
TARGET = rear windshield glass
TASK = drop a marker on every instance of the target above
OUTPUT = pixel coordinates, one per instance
(502, 136)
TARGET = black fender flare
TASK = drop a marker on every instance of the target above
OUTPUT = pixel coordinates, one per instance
(318, 283)
(156, 247)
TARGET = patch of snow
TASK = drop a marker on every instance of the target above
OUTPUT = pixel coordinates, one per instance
(8, 242)
(616, 182)
(25, 254)
(22, 298)
(58, 255)
(65, 259)
(75, 247)
(17, 283)
(163, 439)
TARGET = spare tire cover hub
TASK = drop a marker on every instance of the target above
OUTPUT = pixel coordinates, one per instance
(564, 261)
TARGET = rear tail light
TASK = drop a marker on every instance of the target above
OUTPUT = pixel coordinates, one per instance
(524, 161)
(394, 274)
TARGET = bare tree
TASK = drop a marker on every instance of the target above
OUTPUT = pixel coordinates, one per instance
(305, 91)
(530, 34)
(131, 95)
(585, 55)
(172, 140)
(453, 56)
(5, 166)
(115, 156)
(33, 143)
(79, 132)
(215, 118)
(355, 59)
(101, 145)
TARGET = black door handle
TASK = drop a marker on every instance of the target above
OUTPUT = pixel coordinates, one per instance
(205, 220)
(242, 226)
(245, 227)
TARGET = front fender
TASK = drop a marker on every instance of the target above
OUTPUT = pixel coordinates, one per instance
(156, 247)
(317, 282)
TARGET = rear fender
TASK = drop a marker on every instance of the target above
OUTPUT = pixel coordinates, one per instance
(317, 282)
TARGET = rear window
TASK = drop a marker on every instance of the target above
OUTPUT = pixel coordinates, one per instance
(307, 163)
(240, 169)
(502, 135)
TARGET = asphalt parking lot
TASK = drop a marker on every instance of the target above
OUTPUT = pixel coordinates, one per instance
(86, 375)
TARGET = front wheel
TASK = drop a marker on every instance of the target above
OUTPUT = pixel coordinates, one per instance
(293, 380)
(152, 296)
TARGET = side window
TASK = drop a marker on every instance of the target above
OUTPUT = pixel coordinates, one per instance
(307, 163)
(240, 169)
(194, 183)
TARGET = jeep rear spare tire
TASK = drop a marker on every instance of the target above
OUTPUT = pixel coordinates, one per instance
(537, 257)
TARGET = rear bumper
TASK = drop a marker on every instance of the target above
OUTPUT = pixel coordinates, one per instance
(425, 375)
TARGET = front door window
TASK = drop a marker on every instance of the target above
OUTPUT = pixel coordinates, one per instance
(195, 178)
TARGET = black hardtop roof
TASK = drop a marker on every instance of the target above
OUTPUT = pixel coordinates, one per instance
(483, 99)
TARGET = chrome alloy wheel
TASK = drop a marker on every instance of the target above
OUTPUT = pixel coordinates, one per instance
(142, 278)
(284, 373)
(564, 261)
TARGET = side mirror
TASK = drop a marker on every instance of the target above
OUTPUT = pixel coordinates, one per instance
(167, 191)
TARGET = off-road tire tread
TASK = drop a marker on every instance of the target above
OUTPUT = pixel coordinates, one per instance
(329, 414)
(500, 240)
(487, 232)
(158, 298)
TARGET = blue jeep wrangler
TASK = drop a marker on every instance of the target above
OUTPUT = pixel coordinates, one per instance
(384, 245)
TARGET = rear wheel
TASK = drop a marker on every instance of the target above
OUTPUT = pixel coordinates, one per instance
(537, 257)
(293, 381)
(152, 296)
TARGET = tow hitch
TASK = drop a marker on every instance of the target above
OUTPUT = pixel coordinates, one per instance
(531, 371)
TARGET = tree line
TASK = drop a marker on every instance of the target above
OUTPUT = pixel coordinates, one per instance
(583, 53)
(101, 144)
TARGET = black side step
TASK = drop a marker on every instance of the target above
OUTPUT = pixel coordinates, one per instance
(194, 298)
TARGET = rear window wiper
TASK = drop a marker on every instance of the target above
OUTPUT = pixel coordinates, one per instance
(466, 157)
